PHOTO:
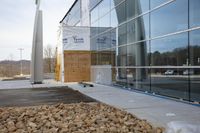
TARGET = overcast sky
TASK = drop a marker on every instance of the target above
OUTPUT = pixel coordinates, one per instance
(16, 25)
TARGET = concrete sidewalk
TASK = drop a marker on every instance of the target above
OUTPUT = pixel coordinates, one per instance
(158, 111)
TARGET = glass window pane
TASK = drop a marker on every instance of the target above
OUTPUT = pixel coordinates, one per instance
(195, 48)
(138, 29)
(93, 3)
(170, 18)
(116, 2)
(121, 12)
(168, 82)
(194, 13)
(194, 83)
(138, 54)
(170, 51)
(94, 29)
(113, 38)
(113, 57)
(136, 7)
(94, 15)
(94, 58)
(93, 44)
(74, 15)
(104, 7)
(155, 3)
(130, 10)
(105, 21)
(138, 78)
(144, 5)
(122, 56)
(121, 78)
(104, 41)
(122, 34)
(114, 19)
(194, 61)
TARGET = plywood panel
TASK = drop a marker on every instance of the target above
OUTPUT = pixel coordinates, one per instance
(77, 66)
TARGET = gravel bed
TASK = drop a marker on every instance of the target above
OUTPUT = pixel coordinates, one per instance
(72, 118)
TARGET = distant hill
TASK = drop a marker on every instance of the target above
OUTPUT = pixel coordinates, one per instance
(10, 68)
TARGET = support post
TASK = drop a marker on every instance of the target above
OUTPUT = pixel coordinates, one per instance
(37, 48)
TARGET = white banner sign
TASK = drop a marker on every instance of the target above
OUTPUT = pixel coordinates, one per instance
(76, 38)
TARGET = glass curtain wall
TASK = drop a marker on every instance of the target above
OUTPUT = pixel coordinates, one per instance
(152, 45)
(74, 16)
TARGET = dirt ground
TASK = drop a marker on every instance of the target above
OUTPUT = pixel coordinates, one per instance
(41, 96)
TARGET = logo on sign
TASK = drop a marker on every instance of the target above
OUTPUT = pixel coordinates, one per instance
(113, 41)
(102, 40)
(78, 39)
(65, 40)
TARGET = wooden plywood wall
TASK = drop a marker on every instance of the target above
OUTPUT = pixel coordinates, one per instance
(77, 66)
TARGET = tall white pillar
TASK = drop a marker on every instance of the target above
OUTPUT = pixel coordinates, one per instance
(37, 48)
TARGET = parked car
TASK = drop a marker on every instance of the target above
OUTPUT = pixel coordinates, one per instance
(187, 72)
(169, 72)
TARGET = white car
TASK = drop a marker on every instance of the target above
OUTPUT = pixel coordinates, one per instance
(187, 72)
(169, 72)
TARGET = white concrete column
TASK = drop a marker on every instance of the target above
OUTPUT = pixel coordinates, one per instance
(37, 49)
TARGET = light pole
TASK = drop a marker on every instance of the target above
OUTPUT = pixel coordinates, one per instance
(21, 49)
(21, 65)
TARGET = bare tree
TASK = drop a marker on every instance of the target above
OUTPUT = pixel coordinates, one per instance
(49, 59)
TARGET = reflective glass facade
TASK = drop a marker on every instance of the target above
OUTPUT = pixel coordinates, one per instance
(74, 15)
(152, 45)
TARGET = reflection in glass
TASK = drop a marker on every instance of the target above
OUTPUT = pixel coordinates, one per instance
(144, 5)
(93, 3)
(138, 54)
(94, 14)
(194, 12)
(113, 57)
(121, 78)
(135, 83)
(94, 29)
(169, 83)
(155, 3)
(138, 29)
(74, 15)
(104, 41)
(113, 38)
(122, 34)
(194, 61)
(121, 12)
(116, 2)
(105, 21)
(136, 7)
(121, 61)
(172, 50)
(104, 7)
(130, 11)
(174, 62)
(93, 44)
(114, 20)
(121, 56)
(195, 48)
(170, 18)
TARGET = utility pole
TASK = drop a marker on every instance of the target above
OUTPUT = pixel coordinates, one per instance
(21, 65)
